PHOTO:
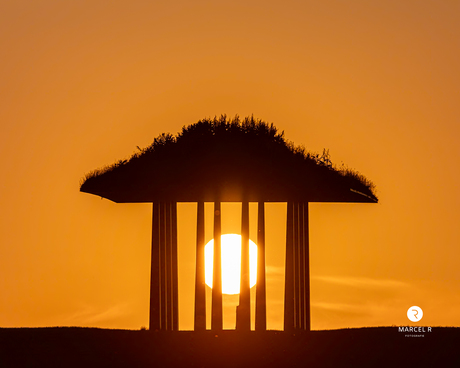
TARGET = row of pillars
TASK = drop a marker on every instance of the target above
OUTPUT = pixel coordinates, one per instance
(164, 311)
(243, 317)
(164, 279)
(297, 277)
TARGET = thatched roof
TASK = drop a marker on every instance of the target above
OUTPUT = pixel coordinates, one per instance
(228, 160)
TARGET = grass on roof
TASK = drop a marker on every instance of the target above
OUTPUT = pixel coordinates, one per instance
(222, 126)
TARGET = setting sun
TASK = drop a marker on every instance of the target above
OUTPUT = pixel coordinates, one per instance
(231, 263)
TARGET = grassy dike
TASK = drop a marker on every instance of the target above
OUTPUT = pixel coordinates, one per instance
(92, 347)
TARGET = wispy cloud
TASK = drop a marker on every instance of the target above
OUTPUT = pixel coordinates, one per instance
(89, 315)
(361, 282)
(334, 306)
(341, 309)
(347, 301)
(272, 270)
(274, 274)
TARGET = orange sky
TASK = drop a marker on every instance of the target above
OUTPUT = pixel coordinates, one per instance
(82, 83)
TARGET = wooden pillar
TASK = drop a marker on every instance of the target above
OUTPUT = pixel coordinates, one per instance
(163, 275)
(154, 315)
(261, 308)
(296, 262)
(168, 259)
(289, 272)
(216, 314)
(307, 268)
(200, 286)
(175, 281)
(244, 307)
(302, 264)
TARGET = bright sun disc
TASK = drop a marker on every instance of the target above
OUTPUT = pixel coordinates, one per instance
(231, 263)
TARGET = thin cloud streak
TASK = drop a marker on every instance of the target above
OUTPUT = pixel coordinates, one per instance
(361, 282)
(273, 270)
(274, 274)
(90, 315)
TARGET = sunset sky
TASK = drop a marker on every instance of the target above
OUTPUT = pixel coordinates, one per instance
(82, 83)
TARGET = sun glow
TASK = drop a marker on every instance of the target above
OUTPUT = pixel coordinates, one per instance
(231, 263)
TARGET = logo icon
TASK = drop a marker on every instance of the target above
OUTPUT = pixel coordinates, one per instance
(415, 313)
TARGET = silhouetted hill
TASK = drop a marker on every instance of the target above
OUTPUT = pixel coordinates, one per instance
(224, 158)
(90, 347)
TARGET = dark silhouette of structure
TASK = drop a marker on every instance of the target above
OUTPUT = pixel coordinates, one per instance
(222, 160)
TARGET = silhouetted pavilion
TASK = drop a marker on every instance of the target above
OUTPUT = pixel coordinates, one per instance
(223, 160)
